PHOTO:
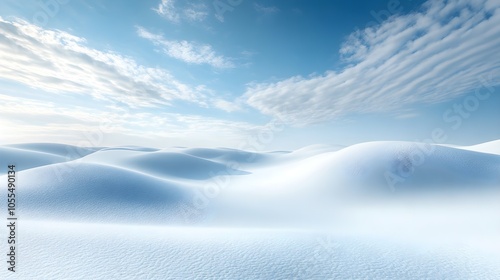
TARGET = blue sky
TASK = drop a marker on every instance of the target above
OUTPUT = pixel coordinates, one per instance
(249, 74)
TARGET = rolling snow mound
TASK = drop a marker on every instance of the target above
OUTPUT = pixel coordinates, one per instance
(377, 210)
(121, 182)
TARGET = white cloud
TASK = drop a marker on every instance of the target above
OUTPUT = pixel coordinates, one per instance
(226, 105)
(57, 62)
(44, 121)
(189, 52)
(267, 10)
(167, 10)
(440, 53)
(191, 12)
(407, 116)
(195, 12)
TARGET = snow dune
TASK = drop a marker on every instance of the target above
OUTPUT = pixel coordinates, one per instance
(161, 163)
(492, 147)
(27, 159)
(68, 151)
(191, 212)
(398, 167)
(99, 193)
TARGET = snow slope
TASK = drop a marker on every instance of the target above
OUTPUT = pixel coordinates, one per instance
(385, 167)
(492, 147)
(389, 210)
(161, 163)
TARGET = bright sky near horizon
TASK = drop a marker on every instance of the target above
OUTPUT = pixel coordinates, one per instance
(249, 74)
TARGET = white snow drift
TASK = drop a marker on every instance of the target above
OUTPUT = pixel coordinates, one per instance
(388, 210)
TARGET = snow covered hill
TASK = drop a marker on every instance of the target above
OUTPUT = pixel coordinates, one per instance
(187, 206)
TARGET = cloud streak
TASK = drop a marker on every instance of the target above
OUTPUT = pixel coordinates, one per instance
(192, 12)
(266, 10)
(48, 121)
(91, 87)
(430, 56)
(57, 62)
(189, 52)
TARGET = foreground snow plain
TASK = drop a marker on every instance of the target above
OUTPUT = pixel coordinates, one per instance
(378, 210)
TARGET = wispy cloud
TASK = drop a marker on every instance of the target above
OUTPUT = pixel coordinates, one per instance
(429, 56)
(407, 116)
(48, 121)
(167, 10)
(195, 12)
(226, 105)
(267, 10)
(190, 52)
(192, 12)
(58, 62)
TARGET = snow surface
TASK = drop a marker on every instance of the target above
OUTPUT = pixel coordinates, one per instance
(377, 210)
(492, 147)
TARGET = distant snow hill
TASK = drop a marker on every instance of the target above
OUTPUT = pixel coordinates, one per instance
(138, 183)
